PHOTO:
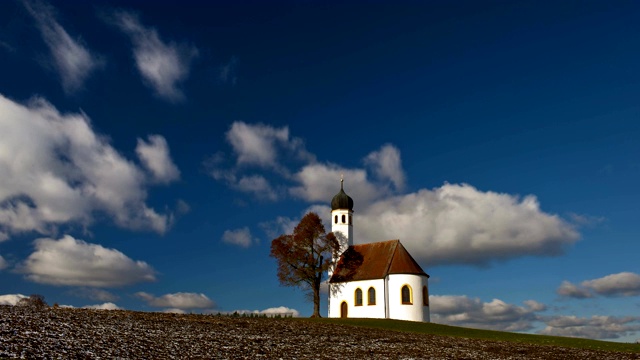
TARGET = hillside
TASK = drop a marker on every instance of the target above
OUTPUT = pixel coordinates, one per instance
(94, 334)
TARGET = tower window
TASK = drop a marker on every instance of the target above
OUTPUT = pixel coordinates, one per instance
(372, 296)
(358, 297)
(344, 220)
(425, 296)
(336, 219)
(406, 295)
(350, 220)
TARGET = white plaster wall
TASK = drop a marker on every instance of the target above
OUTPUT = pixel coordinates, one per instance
(346, 292)
(414, 312)
(345, 228)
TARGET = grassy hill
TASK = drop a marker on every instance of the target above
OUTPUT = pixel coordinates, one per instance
(446, 330)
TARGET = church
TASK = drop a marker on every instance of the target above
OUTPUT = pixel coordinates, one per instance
(376, 280)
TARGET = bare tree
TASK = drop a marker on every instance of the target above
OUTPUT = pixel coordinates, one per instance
(34, 301)
(305, 256)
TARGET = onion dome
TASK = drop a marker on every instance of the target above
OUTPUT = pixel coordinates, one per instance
(342, 200)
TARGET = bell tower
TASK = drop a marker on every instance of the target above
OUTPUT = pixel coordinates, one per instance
(342, 218)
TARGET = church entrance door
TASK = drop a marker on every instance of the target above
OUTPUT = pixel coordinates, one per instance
(343, 309)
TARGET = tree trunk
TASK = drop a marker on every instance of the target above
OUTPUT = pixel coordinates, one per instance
(316, 299)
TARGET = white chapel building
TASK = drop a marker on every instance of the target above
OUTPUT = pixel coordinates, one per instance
(375, 280)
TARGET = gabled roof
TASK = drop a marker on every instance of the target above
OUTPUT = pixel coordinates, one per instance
(375, 261)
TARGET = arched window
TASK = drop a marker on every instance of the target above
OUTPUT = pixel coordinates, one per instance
(425, 296)
(406, 295)
(358, 297)
(344, 220)
(372, 296)
(336, 219)
(350, 220)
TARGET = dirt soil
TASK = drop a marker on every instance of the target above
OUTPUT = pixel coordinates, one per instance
(57, 333)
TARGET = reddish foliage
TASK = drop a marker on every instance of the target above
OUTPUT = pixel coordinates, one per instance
(304, 256)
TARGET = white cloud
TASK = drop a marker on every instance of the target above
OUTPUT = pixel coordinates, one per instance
(174, 311)
(54, 169)
(568, 289)
(74, 262)
(460, 224)
(621, 284)
(105, 306)
(162, 65)
(320, 182)
(386, 164)
(596, 327)
(155, 157)
(72, 60)
(280, 310)
(257, 185)
(94, 294)
(259, 144)
(239, 237)
(11, 299)
(183, 301)
(460, 310)
(3, 263)
(452, 224)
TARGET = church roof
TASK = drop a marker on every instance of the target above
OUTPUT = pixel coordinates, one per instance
(375, 261)
(342, 200)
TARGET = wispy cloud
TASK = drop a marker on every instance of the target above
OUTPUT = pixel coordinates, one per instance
(73, 61)
(3, 263)
(228, 71)
(239, 237)
(386, 164)
(72, 262)
(163, 66)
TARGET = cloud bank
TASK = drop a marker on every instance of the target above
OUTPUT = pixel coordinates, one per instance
(459, 224)
(595, 327)
(72, 262)
(104, 306)
(615, 285)
(450, 224)
(180, 300)
(460, 310)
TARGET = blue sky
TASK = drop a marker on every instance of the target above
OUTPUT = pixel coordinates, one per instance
(149, 152)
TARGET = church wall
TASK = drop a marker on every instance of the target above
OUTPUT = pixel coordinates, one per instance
(347, 293)
(414, 312)
(342, 229)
